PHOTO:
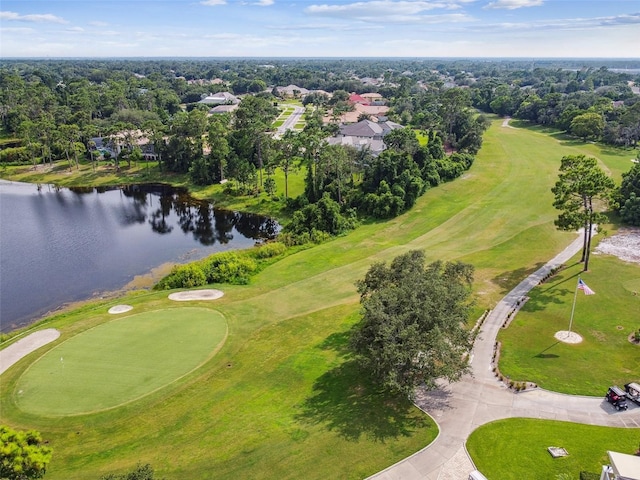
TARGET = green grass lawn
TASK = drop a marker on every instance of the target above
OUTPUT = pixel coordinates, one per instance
(120, 361)
(517, 448)
(282, 398)
(604, 320)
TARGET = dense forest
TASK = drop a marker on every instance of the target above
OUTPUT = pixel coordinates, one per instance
(151, 109)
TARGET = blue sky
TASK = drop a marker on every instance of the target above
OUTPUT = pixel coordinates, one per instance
(320, 28)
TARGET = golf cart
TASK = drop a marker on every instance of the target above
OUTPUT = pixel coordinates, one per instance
(616, 397)
(633, 392)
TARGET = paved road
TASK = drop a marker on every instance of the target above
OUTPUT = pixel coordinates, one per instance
(480, 398)
(291, 121)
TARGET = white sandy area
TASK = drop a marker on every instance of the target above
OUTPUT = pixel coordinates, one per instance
(625, 245)
(206, 294)
(568, 337)
(120, 309)
(25, 346)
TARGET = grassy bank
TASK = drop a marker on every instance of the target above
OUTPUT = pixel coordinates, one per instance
(282, 398)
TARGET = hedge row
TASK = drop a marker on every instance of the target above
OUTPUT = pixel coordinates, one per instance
(226, 267)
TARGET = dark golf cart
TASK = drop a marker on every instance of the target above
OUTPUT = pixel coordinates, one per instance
(616, 397)
(633, 392)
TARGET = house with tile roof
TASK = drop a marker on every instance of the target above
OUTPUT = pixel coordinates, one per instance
(364, 134)
(358, 99)
(293, 91)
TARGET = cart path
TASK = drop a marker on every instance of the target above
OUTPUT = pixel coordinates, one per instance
(25, 346)
(479, 398)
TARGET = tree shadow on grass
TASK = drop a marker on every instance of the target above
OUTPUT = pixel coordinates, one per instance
(508, 280)
(346, 401)
(542, 299)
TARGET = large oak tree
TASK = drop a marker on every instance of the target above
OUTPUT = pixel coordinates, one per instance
(412, 330)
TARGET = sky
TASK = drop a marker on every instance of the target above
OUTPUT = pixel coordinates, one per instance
(320, 28)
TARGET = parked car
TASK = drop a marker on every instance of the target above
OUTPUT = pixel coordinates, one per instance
(633, 392)
(617, 397)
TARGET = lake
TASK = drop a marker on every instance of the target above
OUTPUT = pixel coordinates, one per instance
(61, 245)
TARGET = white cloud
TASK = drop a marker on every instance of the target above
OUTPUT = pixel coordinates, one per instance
(75, 29)
(97, 23)
(332, 27)
(513, 4)
(392, 12)
(264, 3)
(380, 7)
(21, 30)
(212, 3)
(567, 23)
(620, 19)
(38, 18)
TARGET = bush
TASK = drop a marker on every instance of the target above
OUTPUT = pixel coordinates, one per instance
(228, 267)
(183, 276)
(589, 476)
(269, 250)
(18, 155)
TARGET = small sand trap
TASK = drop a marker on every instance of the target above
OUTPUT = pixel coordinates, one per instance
(207, 294)
(25, 346)
(568, 337)
(120, 309)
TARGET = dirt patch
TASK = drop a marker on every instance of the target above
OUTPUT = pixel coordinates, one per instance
(625, 245)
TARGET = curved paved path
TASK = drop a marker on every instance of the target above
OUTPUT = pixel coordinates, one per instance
(25, 346)
(480, 398)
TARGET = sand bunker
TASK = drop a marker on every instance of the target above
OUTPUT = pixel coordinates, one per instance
(625, 245)
(207, 294)
(120, 309)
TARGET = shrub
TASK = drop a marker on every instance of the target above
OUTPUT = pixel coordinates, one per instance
(228, 267)
(17, 155)
(589, 476)
(269, 250)
(183, 276)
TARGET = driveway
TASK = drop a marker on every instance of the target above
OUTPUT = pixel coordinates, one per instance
(479, 398)
(291, 121)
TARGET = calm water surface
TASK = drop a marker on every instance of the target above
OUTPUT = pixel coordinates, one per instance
(64, 245)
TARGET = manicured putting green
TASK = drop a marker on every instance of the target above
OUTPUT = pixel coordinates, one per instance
(120, 361)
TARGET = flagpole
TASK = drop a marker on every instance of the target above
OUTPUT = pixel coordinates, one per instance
(573, 308)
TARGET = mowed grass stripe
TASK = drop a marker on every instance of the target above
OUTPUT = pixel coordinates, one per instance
(119, 361)
(285, 408)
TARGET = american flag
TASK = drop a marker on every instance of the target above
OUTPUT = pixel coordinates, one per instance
(583, 286)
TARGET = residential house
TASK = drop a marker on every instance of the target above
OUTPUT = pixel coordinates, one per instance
(372, 111)
(358, 99)
(115, 144)
(223, 109)
(373, 98)
(364, 134)
(292, 91)
(220, 98)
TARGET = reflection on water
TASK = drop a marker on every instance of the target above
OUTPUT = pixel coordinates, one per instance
(59, 245)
